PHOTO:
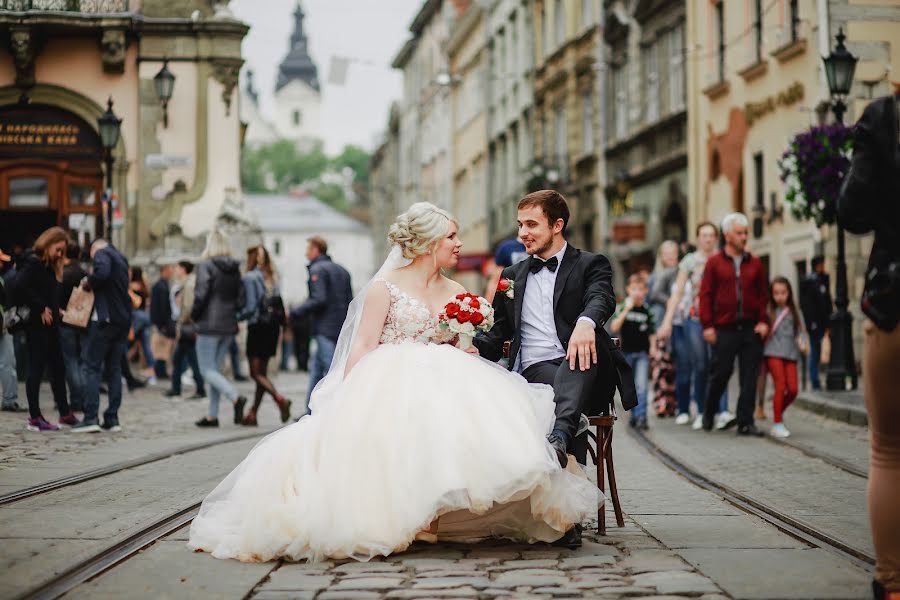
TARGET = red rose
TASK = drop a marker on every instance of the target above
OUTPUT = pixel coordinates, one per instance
(503, 285)
(461, 296)
(451, 309)
(464, 316)
(474, 303)
(476, 319)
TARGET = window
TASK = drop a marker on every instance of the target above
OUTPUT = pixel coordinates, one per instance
(561, 145)
(759, 179)
(651, 77)
(676, 69)
(559, 16)
(794, 15)
(277, 247)
(621, 101)
(587, 12)
(295, 118)
(587, 123)
(758, 29)
(513, 171)
(28, 192)
(81, 195)
(720, 33)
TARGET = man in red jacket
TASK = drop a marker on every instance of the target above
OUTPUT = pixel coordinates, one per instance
(733, 297)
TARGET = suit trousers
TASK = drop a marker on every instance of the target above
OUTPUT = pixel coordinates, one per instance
(744, 344)
(572, 395)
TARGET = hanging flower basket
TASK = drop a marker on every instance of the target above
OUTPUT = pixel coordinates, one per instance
(812, 169)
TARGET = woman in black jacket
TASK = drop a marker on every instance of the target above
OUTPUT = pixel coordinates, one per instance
(218, 296)
(870, 201)
(38, 286)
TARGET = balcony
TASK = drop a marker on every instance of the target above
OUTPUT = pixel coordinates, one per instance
(69, 6)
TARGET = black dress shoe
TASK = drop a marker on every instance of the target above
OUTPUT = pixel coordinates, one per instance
(750, 430)
(171, 393)
(239, 410)
(136, 384)
(207, 422)
(571, 539)
(559, 447)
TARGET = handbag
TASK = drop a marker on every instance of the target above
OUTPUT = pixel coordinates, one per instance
(271, 309)
(79, 309)
(16, 318)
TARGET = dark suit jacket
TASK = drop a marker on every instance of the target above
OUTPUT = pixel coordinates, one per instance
(109, 280)
(583, 288)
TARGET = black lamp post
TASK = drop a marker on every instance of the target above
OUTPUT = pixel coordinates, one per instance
(839, 68)
(109, 125)
(164, 83)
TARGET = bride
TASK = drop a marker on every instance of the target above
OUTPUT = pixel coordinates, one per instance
(410, 438)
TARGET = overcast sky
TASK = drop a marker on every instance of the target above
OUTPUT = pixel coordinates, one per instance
(372, 30)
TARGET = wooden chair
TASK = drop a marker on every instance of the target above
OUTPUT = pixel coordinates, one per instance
(602, 454)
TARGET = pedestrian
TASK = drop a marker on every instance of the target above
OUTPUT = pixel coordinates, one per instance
(71, 338)
(186, 340)
(141, 324)
(107, 336)
(161, 317)
(733, 298)
(784, 347)
(869, 202)
(218, 297)
(816, 304)
(633, 321)
(37, 285)
(662, 369)
(8, 381)
(682, 325)
(329, 297)
(264, 312)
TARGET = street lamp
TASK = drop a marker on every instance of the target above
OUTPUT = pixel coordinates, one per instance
(839, 68)
(109, 125)
(164, 83)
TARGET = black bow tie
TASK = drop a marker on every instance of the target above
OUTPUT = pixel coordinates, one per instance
(538, 264)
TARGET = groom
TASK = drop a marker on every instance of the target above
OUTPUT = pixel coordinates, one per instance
(554, 315)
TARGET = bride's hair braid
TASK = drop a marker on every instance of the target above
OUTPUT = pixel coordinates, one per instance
(416, 230)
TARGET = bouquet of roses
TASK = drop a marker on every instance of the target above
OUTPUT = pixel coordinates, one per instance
(466, 315)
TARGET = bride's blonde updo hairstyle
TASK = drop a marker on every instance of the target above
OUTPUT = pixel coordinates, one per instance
(417, 230)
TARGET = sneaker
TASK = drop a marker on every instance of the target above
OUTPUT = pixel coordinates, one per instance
(40, 424)
(152, 380)
(698, 423)
(69, 420)
(86, 427)
(111, 426)
(725, 420)
(12, 407)
(683, 419)
(779, 431)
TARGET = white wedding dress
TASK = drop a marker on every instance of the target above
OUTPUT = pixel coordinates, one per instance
(420, 441)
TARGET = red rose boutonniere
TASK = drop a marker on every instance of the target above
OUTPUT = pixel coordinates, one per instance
(507, 286)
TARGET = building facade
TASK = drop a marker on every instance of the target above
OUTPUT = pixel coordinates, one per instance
(384, 188)
(175, 169)
(567, 38)
(646, 131)
(509, 113)
(754, 81)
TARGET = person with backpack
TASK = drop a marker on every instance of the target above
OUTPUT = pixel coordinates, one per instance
(264, 312)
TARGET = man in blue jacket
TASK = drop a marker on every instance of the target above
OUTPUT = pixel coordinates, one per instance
(329, 297)
(107, 335)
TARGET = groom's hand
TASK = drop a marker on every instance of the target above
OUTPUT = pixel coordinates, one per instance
(582, 346)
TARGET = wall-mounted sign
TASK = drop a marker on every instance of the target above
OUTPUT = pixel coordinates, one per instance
(167, 161)
(41, 131)
(753, 111)
(629, 231)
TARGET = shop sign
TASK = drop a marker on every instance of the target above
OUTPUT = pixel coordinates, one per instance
(167, 161)
(625, 231)
(753, 111)
(40, 131)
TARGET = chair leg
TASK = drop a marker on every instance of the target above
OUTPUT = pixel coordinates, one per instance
(613, 492)
(601, 458)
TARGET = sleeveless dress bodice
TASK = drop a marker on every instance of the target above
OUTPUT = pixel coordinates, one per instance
(410, 320)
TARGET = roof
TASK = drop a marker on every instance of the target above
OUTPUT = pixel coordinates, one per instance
(299, 214)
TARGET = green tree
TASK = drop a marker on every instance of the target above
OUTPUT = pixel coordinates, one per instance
(357, 159)
(280, 165)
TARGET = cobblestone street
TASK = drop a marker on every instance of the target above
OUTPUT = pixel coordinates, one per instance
(679, 541)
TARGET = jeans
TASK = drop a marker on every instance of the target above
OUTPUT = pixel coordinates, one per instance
(234, 354)
(744, 344)
(692, 355)
(186, 354)
(140, 323)
(321, 362)
(104, 346)
(72, 343)
(43, 351)
(8, 380)
(815, 357)
(639, 363)
(211, 351)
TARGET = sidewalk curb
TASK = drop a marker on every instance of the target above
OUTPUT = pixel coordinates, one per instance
(838, 411)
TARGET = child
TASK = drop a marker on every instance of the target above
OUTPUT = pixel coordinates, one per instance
(633, 322)
(783, 349)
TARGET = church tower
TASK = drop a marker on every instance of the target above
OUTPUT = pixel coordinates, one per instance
(298, 98)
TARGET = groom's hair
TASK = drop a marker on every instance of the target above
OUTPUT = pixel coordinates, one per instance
(551, 203)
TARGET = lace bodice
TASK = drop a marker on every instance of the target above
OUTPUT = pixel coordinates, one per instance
(410, 320)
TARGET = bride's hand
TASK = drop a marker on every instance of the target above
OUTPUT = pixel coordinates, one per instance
(472, 350)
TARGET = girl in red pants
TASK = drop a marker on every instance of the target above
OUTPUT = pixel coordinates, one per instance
(783, 350)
